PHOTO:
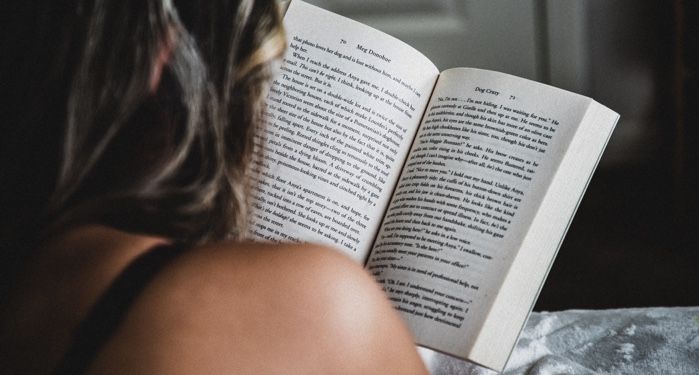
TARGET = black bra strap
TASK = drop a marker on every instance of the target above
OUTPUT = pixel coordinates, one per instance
(110, 310)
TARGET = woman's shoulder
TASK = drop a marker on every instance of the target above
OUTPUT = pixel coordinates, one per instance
(213, 308)
(57, 287)
(257, 308)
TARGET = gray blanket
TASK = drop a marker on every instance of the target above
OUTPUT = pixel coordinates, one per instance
(624, 341)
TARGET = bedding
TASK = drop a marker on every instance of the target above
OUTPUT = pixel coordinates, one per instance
(654, 340)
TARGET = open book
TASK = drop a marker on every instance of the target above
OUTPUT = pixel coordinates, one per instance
(454, 189)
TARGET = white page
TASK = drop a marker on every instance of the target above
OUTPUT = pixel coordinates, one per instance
(480, 166)
(340, 119)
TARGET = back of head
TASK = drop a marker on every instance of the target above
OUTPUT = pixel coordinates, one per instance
(137, 114)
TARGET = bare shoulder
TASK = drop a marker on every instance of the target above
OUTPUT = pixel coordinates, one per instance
(53, 292)
(260, 308)
(224, 308)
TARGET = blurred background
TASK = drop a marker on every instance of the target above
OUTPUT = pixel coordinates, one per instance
(634, 241)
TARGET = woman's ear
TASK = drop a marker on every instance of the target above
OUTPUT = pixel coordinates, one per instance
(161, 59)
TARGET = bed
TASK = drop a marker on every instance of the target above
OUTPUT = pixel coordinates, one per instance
(654, 340)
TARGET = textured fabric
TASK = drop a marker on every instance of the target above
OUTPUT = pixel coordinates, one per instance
(110, 310)
(634, 341)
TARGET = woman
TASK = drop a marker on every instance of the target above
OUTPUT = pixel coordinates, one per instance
(125, 152)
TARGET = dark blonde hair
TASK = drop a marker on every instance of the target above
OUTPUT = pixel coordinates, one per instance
(86, 140)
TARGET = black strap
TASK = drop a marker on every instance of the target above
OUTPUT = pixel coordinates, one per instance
(110, 310)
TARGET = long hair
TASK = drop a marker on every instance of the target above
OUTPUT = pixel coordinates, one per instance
(87, 139)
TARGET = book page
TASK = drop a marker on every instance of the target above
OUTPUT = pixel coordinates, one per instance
(525, 276)
(478, 170)
(340, 119)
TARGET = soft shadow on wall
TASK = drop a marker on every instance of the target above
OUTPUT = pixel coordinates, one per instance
(634, 241)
